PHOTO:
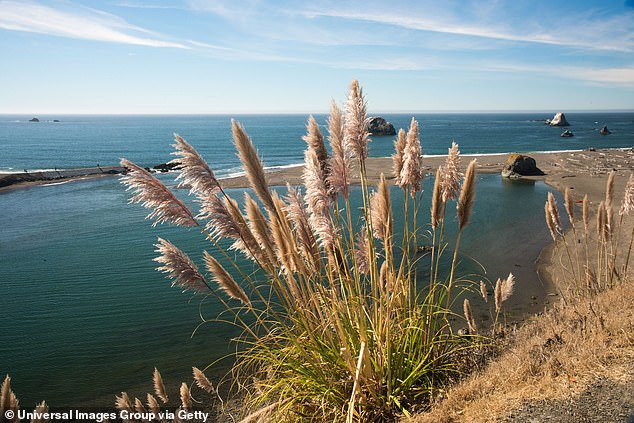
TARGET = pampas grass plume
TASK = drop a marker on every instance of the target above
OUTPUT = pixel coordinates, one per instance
(554, 212)
(451, 174)
(40, 409)
(497, 295)
(153, 194)
(186, 398)
(194, 170)
(159, 387)
(201, 380)
(609, 190)
(123, 403)
(153, 405)
(356, 134)
(483, 292)
(627, 204)
(179, 267)
(437, 203)
(252, 165)
(469, 317)
(138, 406)
(569, 206)
(339, 169)
(225, 280)
(467, 196)
(315, 141)
(412, 171)
(397, 157)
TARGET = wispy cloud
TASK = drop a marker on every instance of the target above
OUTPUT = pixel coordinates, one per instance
(613, 34)
(79, 23)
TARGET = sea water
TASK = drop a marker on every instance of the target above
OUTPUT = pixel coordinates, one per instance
(85, 315)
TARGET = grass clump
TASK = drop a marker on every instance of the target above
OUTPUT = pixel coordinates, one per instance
(335, 324)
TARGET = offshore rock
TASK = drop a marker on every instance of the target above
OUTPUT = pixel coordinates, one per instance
(378, 126)
(567, 134)
(34, 120)
(605, 131)
(558, 120)
(519, 165)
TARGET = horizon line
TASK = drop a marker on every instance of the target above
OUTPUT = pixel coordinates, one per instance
(322, 112)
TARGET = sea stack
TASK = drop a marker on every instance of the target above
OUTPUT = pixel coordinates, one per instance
(520, 165)
(605, 131)
(558, 120)
(378, 126)
(34, 120)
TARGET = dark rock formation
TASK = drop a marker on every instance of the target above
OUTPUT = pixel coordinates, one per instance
(567, 134)
(519, 165)
(605, 131)
(378, 126)
(55, 120)
(558, 120)
(34, 120)
(166, 167)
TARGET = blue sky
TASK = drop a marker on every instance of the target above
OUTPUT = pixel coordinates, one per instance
(243, 56)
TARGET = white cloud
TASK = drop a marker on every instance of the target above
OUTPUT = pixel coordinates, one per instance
(79, 23)
(611, 34)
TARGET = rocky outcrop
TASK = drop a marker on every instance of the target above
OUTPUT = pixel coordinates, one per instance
(567, 134)
(34, 120)
(519, 165)
(605, 131)
(166, 167)
(558, 120)
(378, 126)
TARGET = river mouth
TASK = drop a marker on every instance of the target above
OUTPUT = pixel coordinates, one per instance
(87, 316)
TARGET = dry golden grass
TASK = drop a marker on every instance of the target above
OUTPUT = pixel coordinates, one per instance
(555, 356)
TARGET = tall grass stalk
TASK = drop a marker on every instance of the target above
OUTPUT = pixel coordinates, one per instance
(336, 325)
(606, 265)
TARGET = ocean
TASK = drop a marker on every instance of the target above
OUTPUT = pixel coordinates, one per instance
(84, 313)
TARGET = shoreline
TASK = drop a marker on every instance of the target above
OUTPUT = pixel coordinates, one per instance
(582, 171)
(292, 173)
